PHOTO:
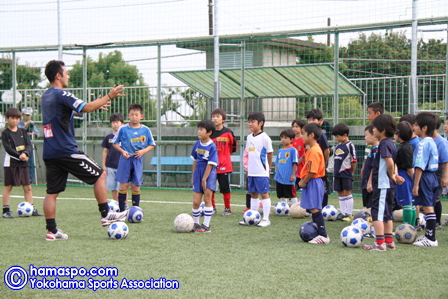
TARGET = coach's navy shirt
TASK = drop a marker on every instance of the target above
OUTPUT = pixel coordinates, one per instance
(58, 108)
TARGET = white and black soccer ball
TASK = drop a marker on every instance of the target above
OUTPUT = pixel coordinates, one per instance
(113, 206)
(251, 217)
(135, 214)
(183, 223)
(405, 233)
(362, 224)
(25, 209)
(281, 208)
(118, 231)
(351, 236)
(330, 213)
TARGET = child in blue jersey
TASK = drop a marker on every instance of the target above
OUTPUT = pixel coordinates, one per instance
(425, 186)
(133, 141)
(404, 161)
(344, 166)
(286, 167)
(205, 157)
(382, 179)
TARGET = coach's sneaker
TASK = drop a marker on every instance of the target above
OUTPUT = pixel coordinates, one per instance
(264, 223)
(113, 217)
(57, 236)
(424, 241)
(227, 212)
(390, 246)
(204, 229)
(320, 240)
(196, 228)
(8, 215)
(375, 247)
(36, 213)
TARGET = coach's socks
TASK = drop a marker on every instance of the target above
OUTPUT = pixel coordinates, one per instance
(122, 199)
(208, 211)
(407, 214)
(254, 203)
(266, 208)
(320, 222)
(438, 211)
(226, 200)
(135, 199)
(431, 226)
(196, 213)
(103, 208)
(248, 197)
(51, 225)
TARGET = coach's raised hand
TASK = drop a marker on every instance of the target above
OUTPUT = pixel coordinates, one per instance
(116, 92)
(98, 103)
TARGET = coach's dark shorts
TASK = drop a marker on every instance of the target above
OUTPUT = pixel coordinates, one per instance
(80, 165)
(17, 176)
(285, 191)
(224, 182)
(341, 184)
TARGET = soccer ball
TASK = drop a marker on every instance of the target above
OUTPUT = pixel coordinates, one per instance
(422, 220)
(308, 231)
(118, 231)
(25, 209)
(362, 224)
(330, 213)
(135, 214)
(362, 214)
(296, 211)
(398, 215)
(183, 223)
(405, 233)
(251, 217)
(113, 206)
(202, 208)
(281, 208)
(351, 236)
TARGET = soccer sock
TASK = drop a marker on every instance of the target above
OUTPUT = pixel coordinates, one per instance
(213, 201)
(208, 211)
(379, 239)
(389, 238)
(414, 215)
(283, 199)
(196, 214)
(248, 197)
(5, 209)
(320, 222)
(407, 214)
(254, 203)
(135, 199)
(343, 205)
(103, 208)
(226, 200)
(294, 200)
(325, 200)
(122, 198)
(349, 204)
(266, 208)
(51, 225)
(438, 211)
(431, 226)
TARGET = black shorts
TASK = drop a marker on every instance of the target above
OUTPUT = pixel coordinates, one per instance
(327, 187)
(79, 165)
(224, 184)
(341, 184)
(382, 204)
(297, 183)
(366, 198)
(285, 191)
(17, 176)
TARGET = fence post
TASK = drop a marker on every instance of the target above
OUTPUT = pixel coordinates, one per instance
(14, 79)
(336, 78)
(159, 123)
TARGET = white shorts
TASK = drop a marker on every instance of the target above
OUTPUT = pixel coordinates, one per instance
(111, 183)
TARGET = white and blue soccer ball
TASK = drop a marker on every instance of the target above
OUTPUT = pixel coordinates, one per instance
(422, 219)
(351, 236)
(25, 209)
(281, 208)
(330, 213)
(362, 224)
(405, 233)
(135, 214)
(202, 208)
(251, 217)
(118, 231)
(183, 223)
(113, 206)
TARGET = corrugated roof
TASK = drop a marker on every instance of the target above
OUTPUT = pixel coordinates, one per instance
(270, 82)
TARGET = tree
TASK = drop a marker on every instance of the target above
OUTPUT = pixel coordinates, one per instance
(27, 76)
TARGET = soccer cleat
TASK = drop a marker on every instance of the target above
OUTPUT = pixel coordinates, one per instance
(445, 223)
(340, 216)
(227, 212)
(113, 217)
(245, 210)
(204, 229)
(375, 247)
(243, 223)
(214, 211)
(196, 228)
(369, 236)
(320, 240)
(264, 223)
(390, 246)
(424, 241)
(36, 213)
(8, 215)
(57, 236)
(438, 226)
(348, 218)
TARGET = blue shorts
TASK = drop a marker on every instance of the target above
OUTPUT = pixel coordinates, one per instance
(130, 170)
(313, 194)
(259, 184)
(403, 192)
(427, 189)
(111, 183)
(197, 179)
